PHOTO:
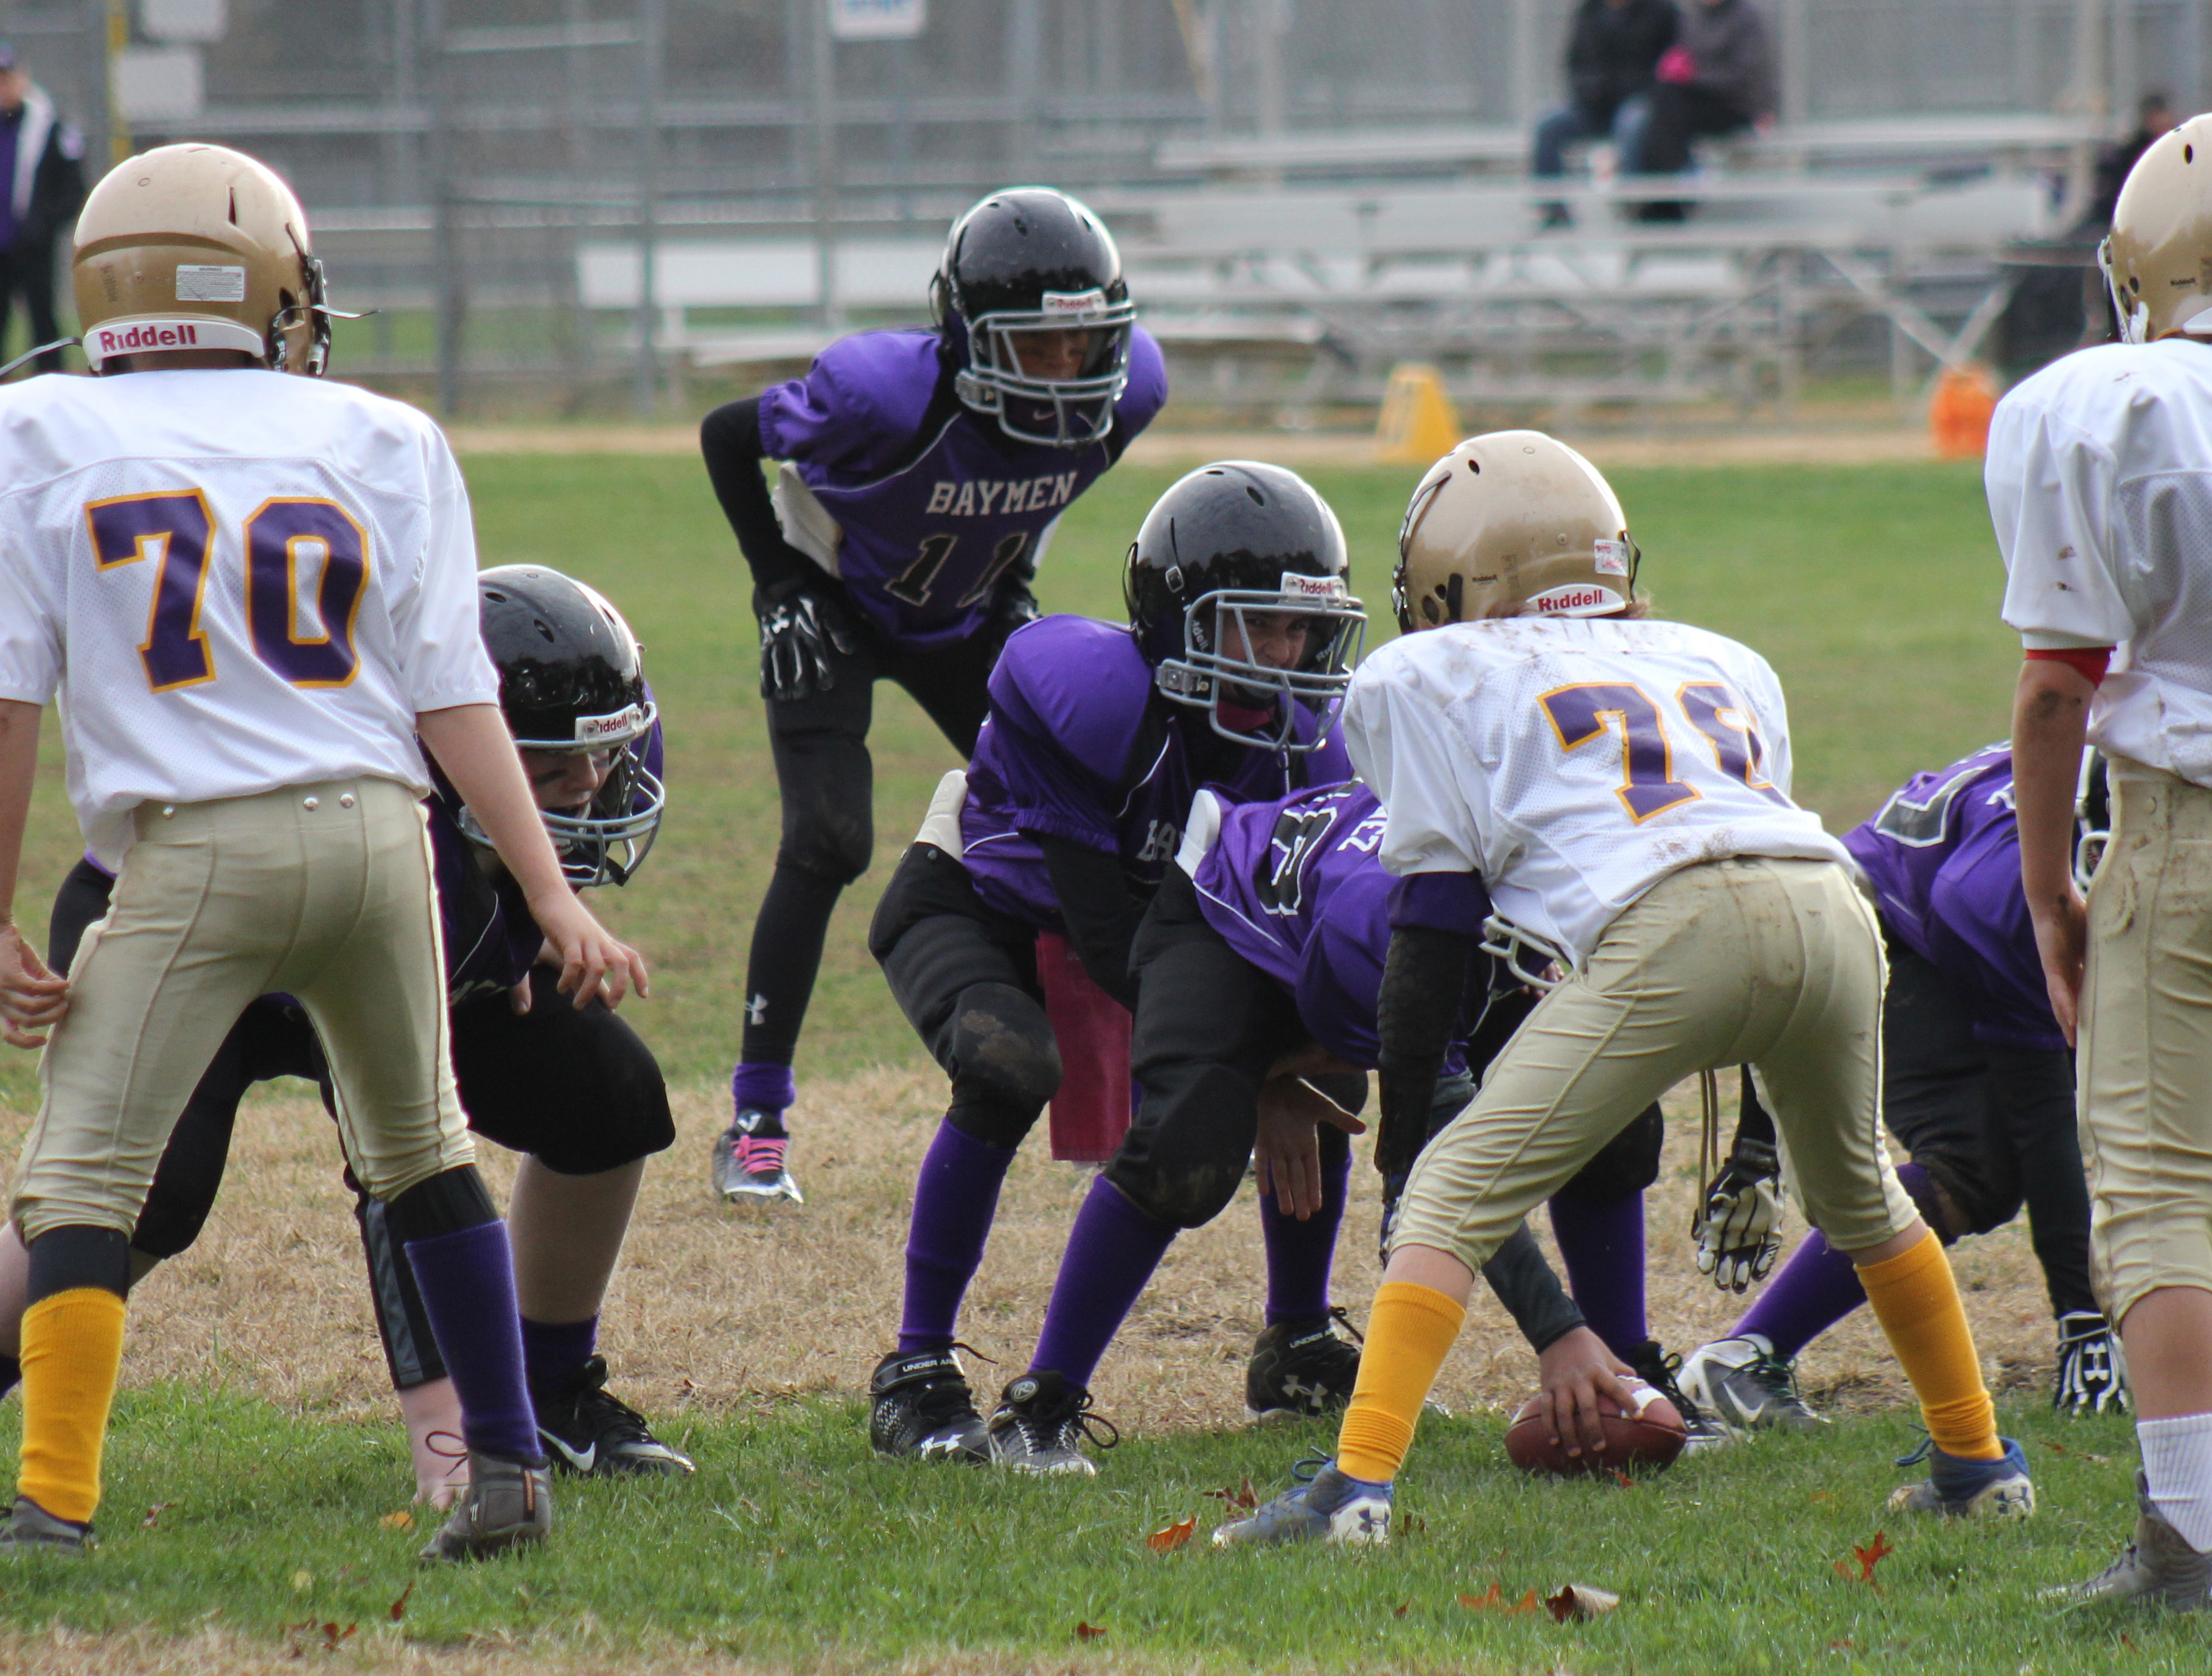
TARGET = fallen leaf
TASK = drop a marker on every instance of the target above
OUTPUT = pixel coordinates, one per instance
(2058, 1448)
(1242, 1497)
(1868, 1556)
(1089, 1631)
(2099, 1458)
(154, 1513)
(1401, 1608)
(1845, 1645)
(1167, 1541)
(2127, 1641)
(302, 1581)
(1492, 1597)
(401, 1521)
(1527, 1602)
(399, 1608)
(1580, 1601)
(1411, 1525)
(1823, 1496)
(1626, 1482)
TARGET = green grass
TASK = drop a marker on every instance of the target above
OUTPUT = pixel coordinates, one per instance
(1873, 591)
(793, 1545)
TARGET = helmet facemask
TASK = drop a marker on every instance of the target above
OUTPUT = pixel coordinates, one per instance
(1059, 413)
(2092, 818)
(1209, 676)
(609, 841)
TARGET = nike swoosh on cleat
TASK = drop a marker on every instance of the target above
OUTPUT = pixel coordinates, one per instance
(582, 1463)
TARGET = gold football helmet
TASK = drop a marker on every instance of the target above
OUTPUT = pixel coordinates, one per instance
(199, 247)
(1512, 524)
(2158, 257)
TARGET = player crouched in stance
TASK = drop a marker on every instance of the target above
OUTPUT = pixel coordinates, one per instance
(922, 474)
(1977, 1084)
(251, 594)
(572, 1089)
(1620, 784)
(2100, 477)
(1240, 641)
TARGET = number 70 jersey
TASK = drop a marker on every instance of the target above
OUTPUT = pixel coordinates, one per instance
(1573, 763)
(234, 580)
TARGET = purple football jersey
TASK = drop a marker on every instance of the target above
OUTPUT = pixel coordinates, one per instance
(1296, 886)
(1080, 746)
(935, 503)
(1943, 856)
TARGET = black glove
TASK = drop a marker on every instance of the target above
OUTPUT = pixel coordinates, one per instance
(801, 631)
(1738, 1224)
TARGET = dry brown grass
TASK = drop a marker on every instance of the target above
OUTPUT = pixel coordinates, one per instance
(716, 1310)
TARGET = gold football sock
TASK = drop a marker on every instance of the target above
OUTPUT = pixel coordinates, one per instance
(1409, 1334)
(1917, 1304)
(72, 1349)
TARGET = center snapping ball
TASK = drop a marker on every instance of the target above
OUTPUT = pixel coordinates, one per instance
(1648, 1437)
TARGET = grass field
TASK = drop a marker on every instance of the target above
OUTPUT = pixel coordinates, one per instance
(255, 1422)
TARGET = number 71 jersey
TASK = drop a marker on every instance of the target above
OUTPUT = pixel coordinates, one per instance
(1573, 763)
(234, 580)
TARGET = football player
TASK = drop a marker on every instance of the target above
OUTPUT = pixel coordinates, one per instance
(1977, 1084)
(1257, 965)
(253, 594)
(1620, 786)
(2098, 472)
(574, 1090)
(921, 475)
(1241, 638)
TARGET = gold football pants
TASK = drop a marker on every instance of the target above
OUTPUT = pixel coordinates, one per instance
(1752, 961)
(324, 892)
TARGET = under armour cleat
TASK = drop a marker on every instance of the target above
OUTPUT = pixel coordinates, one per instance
(1303, 1369)
(1743, 1386)
(1040, 1426)
(1331, 1508)
(2159, 1569)
(32, 1530)
(592, 1434)
(750, 1163)
(1663, 1372)
(505, 1506)
(1958, 1488)
(919, 1406)
(2092, 1368)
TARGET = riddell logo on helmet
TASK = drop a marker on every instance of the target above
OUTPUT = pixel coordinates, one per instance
(181, 335)
(1311, 587)
(1575, 600)
(623, 723)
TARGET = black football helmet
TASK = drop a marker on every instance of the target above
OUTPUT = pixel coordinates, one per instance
(1231, 543)
(571, 679)
(1033, 259)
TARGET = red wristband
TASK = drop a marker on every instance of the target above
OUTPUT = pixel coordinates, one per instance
(2089, 662)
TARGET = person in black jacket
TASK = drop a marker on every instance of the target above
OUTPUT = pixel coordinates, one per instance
(1718, 78)
(1612, 57)
(41, 185)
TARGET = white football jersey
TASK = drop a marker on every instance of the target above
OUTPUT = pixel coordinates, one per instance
(235, 581)
(2099, 478)
(1574, 763)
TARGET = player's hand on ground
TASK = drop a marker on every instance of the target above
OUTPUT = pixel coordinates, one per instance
(1577, 1369)
(801, 634)
(2062, 937)
(32, 999)
(1738, 1226)
(596, 965)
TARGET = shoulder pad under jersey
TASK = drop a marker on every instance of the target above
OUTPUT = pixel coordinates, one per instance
(859, 403)
(1078, 681)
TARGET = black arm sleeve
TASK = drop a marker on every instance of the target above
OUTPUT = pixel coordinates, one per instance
(1531, 1293)
(1100, 913)
(730, 439)
(1423, 978)
(1752, 1120)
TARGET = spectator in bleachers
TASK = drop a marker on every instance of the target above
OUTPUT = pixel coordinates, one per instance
(1612, 57)
(2154, 116)
(1718, 78)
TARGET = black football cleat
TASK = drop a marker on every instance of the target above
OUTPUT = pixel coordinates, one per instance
(1302, 1370)
(919, 1408)
(1663, 1372)
(32, 1530)
(1040, 1424)
(592, 1434)
(507, 1506)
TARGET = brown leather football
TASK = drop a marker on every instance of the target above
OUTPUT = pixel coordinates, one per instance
(1645, 1441)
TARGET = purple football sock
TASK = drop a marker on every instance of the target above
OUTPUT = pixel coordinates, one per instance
(467, 1282)
(762, 1088)
(1301, 1253)
(1817, 1288)
(1601, 1242)
(954, 1200)
(553, 1352)
(1111, 1253)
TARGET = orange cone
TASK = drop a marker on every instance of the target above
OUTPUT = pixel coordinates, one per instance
(1959, 418)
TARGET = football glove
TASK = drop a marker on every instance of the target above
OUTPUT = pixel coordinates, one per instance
(1738, 1226)
(1014, 604)
(2093, 1370)
(801, 634)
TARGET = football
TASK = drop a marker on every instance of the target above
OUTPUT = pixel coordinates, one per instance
(1649, 1438)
